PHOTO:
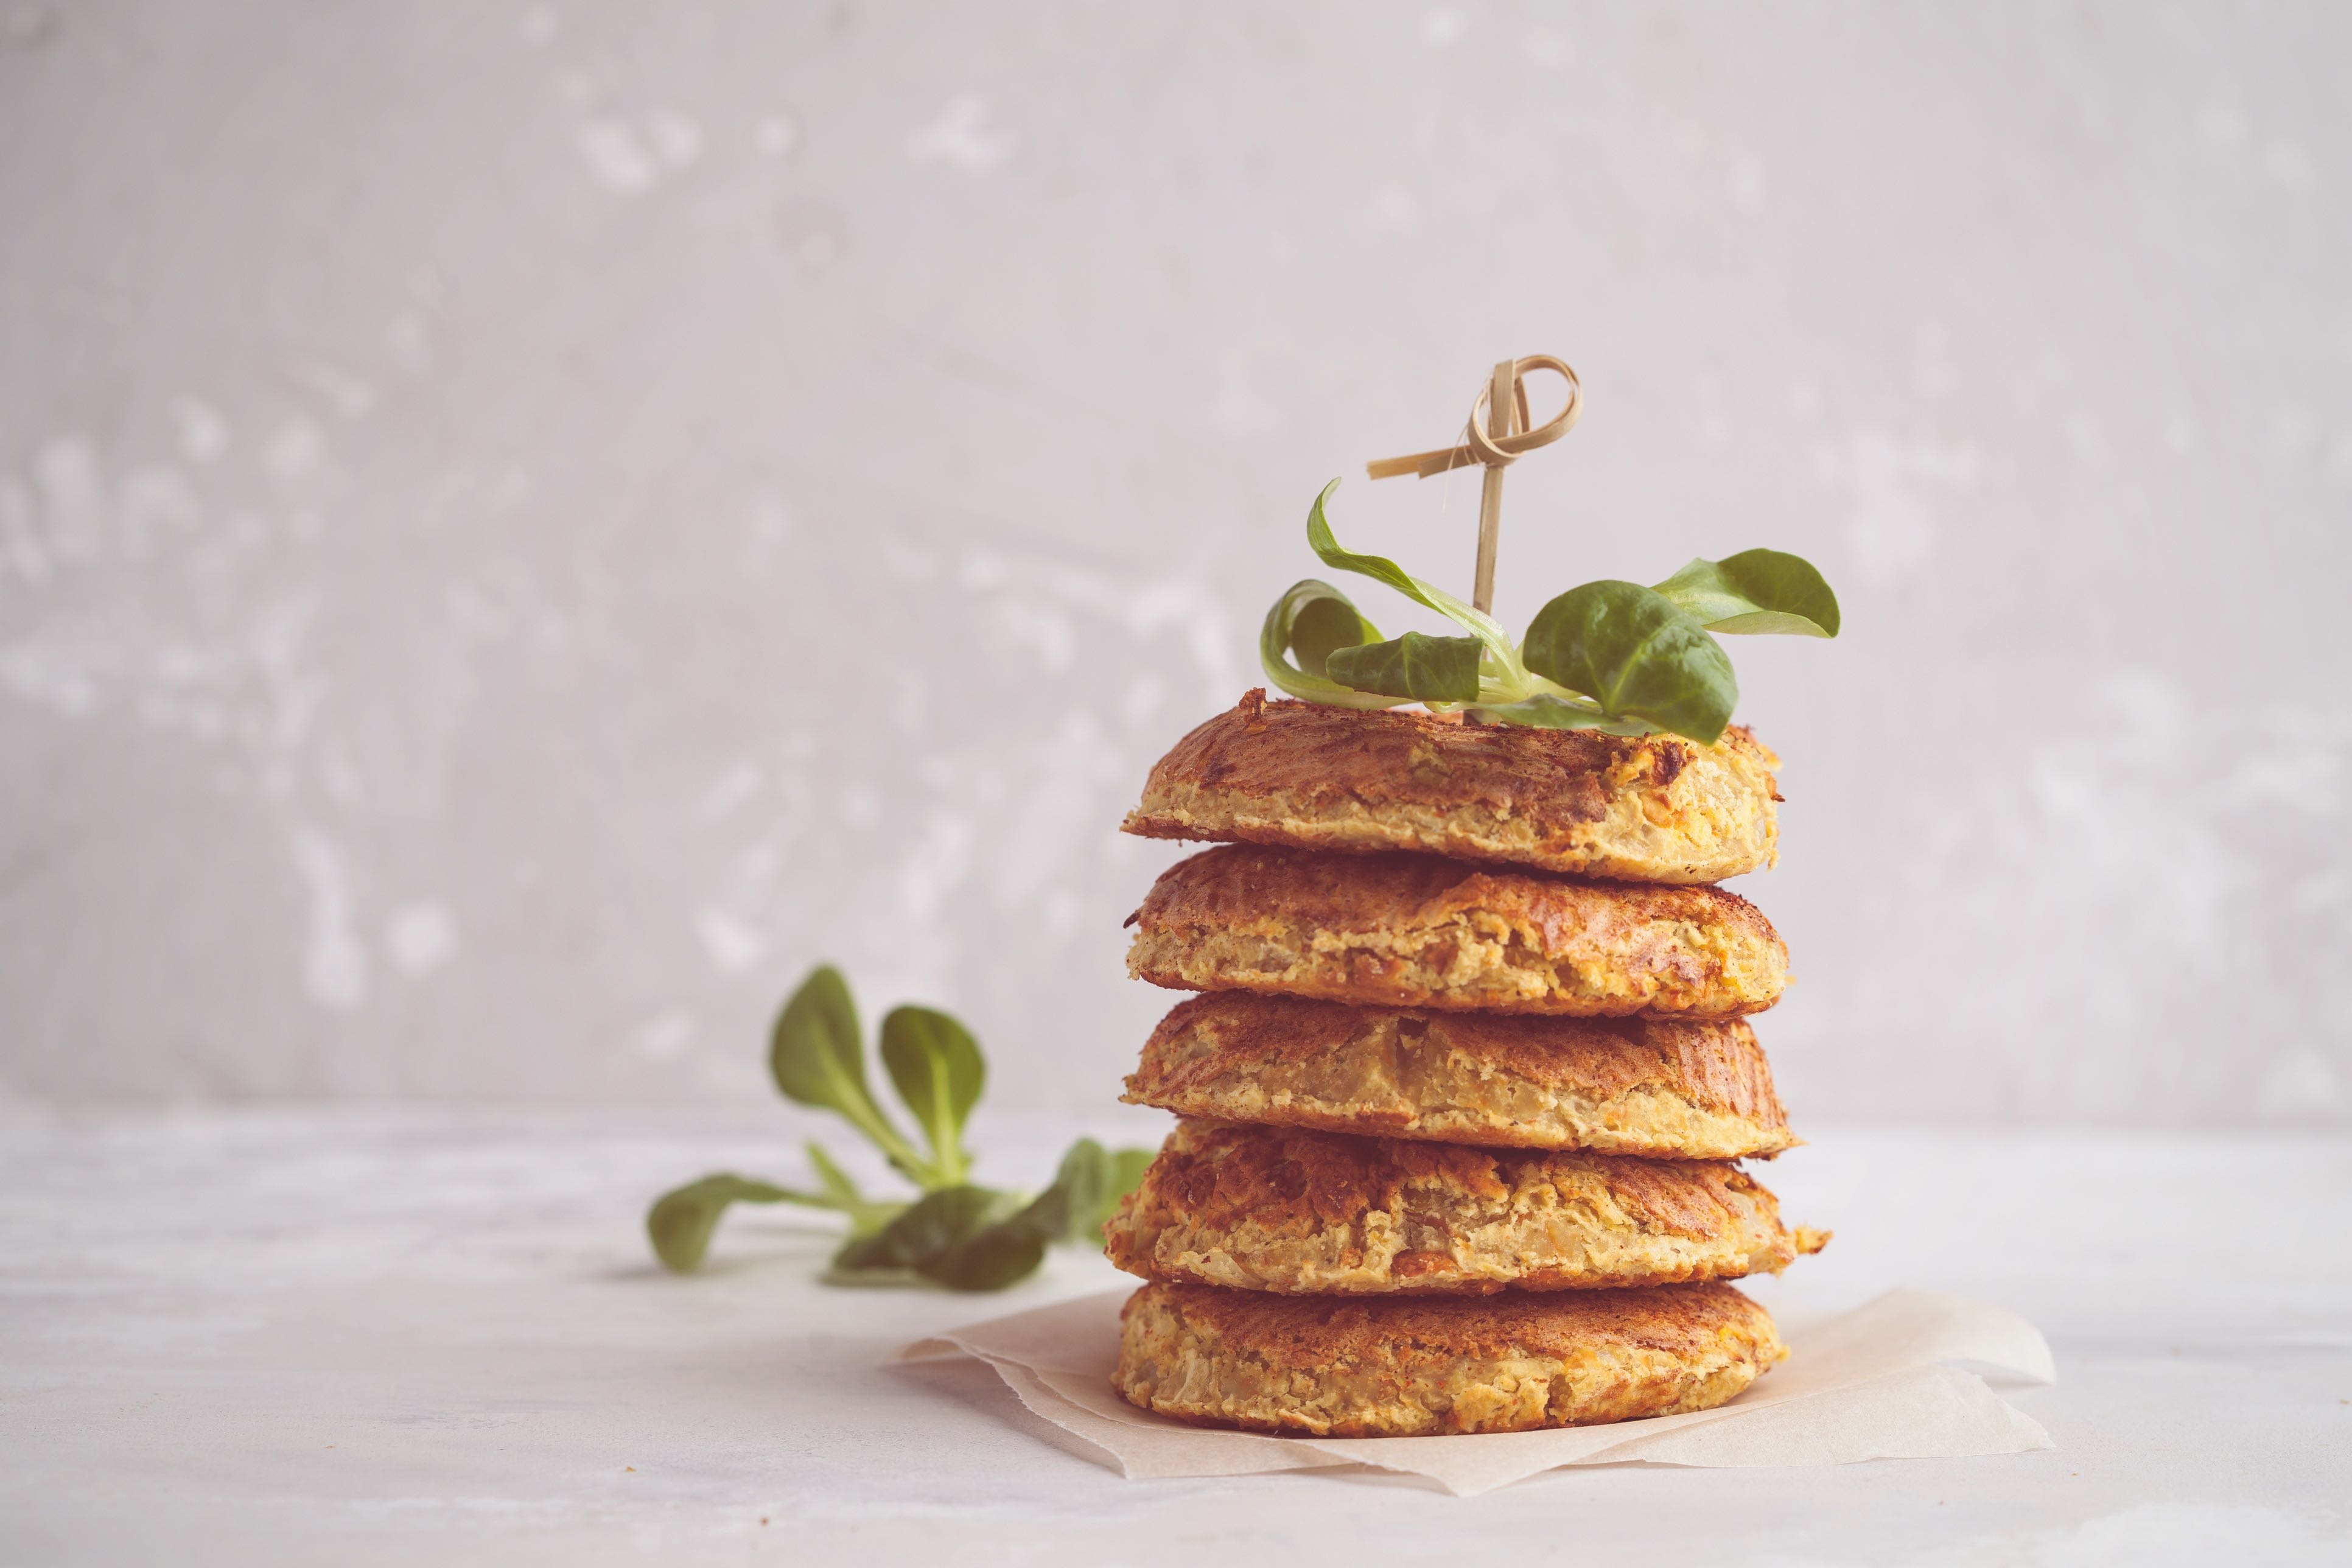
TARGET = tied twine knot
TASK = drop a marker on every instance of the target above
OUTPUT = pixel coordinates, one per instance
(1499, 432)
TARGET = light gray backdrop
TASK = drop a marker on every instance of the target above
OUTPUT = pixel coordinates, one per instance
(522, 526)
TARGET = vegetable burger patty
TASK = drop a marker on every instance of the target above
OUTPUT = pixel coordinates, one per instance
(1647, 808)
(1300, 1213)
(1423, 1366)
(1415, 931)
(1660, 1086)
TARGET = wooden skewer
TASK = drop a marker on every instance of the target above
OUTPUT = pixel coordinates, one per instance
(1501, 404)
(1499, 432)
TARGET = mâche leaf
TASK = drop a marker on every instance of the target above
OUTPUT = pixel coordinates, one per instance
(1096, 1179)
(990, 1258)
(1325, 623)
(1424, 668)
(680, 1222)
(1089, 1185)
(1477, 623)
(1310, 621)
(1544, 712)
(1126, 1173)
(1635, 654)
(956, 1233)
(837, 1185)
(972, 1238)
(865, 1214)
(1755, 591)
(936, 1067)
(928, 1228)
(1004, 1250)
(967, 1238)
(818, 1058)
(1610, 656)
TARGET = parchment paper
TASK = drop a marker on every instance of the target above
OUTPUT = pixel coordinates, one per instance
(1878, 1383)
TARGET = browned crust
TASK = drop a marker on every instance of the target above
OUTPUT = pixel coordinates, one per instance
(1658, 808)
(1415, 931)
(1304, 1333)
(1296, 1212)
(1658, 1087)
(1414, 1367)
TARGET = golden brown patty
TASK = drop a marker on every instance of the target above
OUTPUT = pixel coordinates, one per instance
(1414, 931)
(1300, 1213)
(1648, 808)
(1422, 1366)
(1631, 1086)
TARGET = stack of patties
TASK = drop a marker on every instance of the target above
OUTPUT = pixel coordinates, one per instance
(1459, 1117)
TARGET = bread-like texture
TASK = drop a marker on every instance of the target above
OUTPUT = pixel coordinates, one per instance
(1414, 931)
(1657, 1087)
(1305, 1213)
(1645, 808)
(1418, 1366)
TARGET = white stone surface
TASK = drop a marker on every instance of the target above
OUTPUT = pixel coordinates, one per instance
(271, 1338)
(523, 525)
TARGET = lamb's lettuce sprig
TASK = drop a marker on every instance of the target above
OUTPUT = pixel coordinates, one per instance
(954, 1234)
(1607, 655)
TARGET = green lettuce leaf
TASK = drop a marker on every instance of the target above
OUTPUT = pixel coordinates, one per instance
(1755, 591)
(1324, 624)
(964, 1237)
(1094, 1180)
(680, 1222)
(1312, 621)
(1635, 654)
(967, 1238)
(817, 1056)
(1425, 668)
(936, 1067)
(1477, 622)
(1546, 711)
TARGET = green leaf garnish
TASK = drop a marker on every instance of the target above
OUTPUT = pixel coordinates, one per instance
(928, 1229)
(1544, 712)
(1608, 655)
(967, 1238)
(1325, 623)
(1755, 591)
(680, 1222)
(955, 1234)
(1311, 621)
(1637, 656)
(1477, 622)
(1094, 1179)
(837, 1185)
(818, 1057)
(935, 1065)
(1425, 668)
(990, 1258)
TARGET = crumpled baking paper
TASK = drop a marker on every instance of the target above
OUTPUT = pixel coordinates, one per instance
(1878, 1383)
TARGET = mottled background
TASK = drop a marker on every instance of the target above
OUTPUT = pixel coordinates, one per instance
(522, 526)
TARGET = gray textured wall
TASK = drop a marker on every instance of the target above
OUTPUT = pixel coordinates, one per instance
(521, 526)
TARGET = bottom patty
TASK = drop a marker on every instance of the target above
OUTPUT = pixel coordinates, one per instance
(1426, 1366)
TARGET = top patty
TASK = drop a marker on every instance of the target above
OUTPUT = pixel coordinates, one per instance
(1414, 931)
(1645, 808)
